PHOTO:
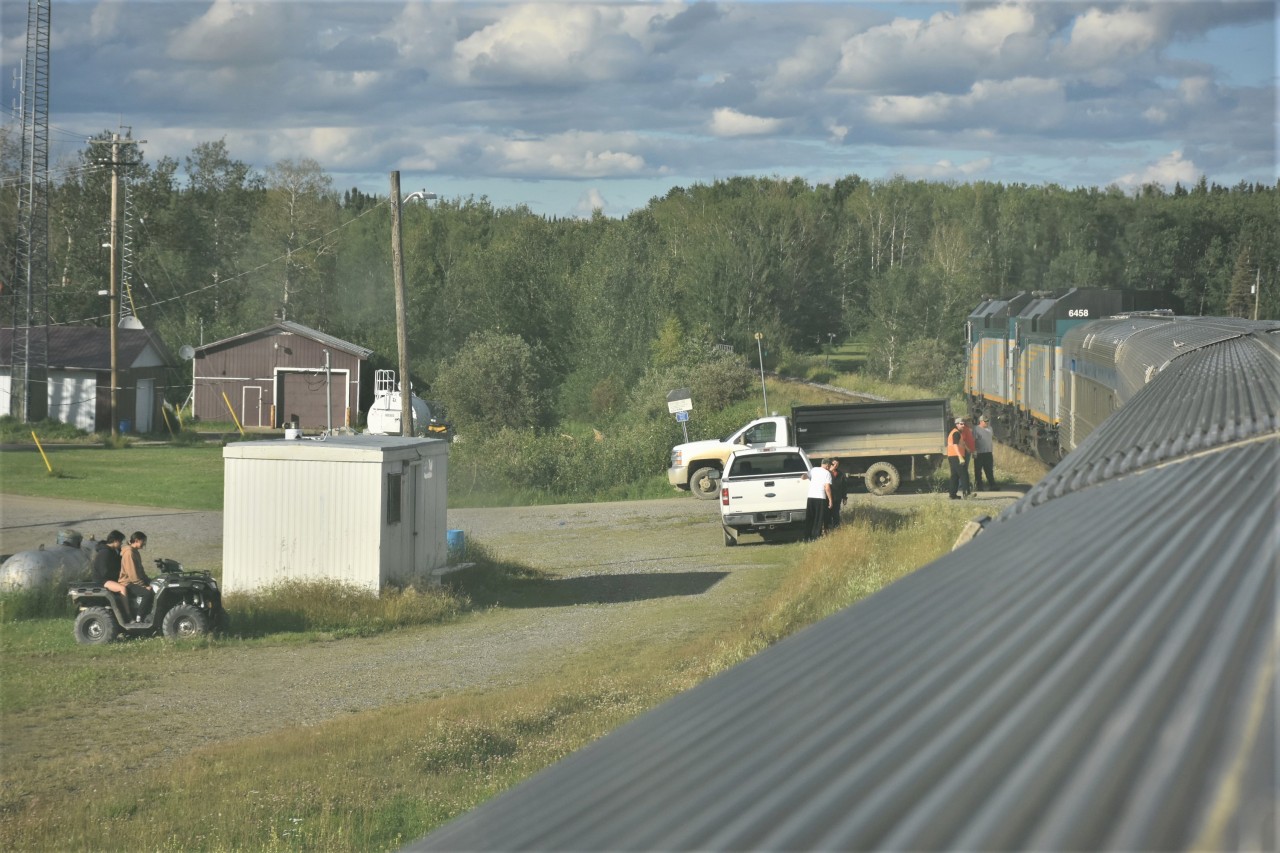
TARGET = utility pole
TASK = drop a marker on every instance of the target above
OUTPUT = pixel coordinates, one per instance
(402, 330)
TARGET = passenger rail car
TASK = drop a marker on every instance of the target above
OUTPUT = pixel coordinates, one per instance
(1015, 363)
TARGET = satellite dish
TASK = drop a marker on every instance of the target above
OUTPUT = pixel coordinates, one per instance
(187, 352)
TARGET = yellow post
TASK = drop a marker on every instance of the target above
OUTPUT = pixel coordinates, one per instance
(167, 425)
(41, 449)
(233, 412)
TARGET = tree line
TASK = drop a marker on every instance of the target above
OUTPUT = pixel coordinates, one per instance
(522, 320)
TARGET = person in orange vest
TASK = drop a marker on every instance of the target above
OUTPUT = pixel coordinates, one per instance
(958, 453)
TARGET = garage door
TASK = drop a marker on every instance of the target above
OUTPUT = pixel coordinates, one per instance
(302, 399)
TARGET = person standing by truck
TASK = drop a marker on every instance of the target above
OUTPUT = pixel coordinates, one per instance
(819, 499)
(983, 456)
(839, 493)
(958, 459)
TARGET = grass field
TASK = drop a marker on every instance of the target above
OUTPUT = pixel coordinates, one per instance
(377, 779)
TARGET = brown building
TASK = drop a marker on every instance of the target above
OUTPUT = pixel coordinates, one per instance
(76, 388)
(282, 374)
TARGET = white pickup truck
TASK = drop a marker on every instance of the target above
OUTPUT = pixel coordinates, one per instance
(764, 492)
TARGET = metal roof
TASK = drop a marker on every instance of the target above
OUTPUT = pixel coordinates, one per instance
(1096, 670)
(1225, 387)
(89, 347)
(1101, 691)
(290, 327)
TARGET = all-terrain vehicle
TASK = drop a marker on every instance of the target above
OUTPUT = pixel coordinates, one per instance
(184, 604)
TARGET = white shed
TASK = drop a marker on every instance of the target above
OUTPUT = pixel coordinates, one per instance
(364, 510)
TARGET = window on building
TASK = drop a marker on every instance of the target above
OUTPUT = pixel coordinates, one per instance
(394, 500)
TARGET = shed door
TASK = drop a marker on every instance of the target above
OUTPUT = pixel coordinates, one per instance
(145, 406)
(251, 406)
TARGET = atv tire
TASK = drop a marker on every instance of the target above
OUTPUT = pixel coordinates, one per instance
(184, 621)
(95, 626)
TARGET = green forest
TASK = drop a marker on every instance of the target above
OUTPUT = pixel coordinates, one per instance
(523, 322)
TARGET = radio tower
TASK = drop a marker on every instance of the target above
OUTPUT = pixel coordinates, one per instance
(31, 314)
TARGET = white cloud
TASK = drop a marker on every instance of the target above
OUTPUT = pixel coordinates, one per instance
(233, 32)
(554, 43)
(573, 154)
(946, 170)
(1167, 171)
(591, 201)
(1102, 37)
(946, 49)
(727, 121)
(1025, 102)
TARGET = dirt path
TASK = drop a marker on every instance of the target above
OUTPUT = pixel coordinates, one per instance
(638, 572)
(620, 569)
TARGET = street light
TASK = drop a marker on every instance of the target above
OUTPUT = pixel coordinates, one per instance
(760, 354)
(419, 195)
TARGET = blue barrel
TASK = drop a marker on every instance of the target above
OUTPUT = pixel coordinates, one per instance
(125, 426)
(457, 546)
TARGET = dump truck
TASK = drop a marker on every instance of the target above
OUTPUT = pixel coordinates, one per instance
(885, 443)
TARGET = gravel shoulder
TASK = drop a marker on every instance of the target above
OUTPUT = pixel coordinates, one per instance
(625, 573)
(615, 565)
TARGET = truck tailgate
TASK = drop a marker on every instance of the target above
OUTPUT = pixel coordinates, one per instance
(764, 494)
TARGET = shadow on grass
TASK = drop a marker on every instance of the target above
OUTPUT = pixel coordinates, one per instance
(542, 591)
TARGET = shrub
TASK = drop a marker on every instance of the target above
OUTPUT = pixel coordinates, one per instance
(47, 601)
(14, 430)
(492, 383)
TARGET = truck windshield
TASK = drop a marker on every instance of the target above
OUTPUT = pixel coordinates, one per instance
(768, 465)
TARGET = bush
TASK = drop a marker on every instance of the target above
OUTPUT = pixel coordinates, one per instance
(928, 363)
(13, 430)
(492, 383)
(47, 601)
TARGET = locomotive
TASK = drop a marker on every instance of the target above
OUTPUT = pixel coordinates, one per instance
(1048, 367)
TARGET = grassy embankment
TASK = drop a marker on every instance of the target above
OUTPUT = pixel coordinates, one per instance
(377, 779)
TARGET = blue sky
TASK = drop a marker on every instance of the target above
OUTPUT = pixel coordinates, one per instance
(571, 106)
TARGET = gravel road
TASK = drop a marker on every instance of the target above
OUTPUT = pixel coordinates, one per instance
(614, 564)
(623, 572)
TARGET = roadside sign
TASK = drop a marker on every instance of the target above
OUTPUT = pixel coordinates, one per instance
(682, 415)
(680, 400)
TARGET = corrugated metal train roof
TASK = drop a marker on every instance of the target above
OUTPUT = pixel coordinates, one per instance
(1097, 673)
(1214, 395)
(1112, 695)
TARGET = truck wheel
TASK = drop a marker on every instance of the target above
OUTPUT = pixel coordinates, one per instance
(705, 483)
(95, 626)
(729, 540)
(185, 620)
(882, 479)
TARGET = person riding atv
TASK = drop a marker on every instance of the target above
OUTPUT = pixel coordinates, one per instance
(183, 604)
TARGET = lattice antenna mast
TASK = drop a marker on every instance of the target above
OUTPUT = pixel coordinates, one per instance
(31, 336)
(127, 308)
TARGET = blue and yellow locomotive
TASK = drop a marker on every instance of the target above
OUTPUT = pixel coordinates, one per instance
(1017, 363)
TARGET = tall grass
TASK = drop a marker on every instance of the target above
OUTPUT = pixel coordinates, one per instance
(333, 610)
(376, 780)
